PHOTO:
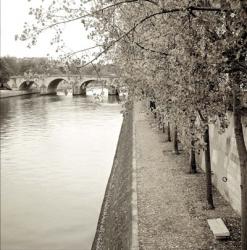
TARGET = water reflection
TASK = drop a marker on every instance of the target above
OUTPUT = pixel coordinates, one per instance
(56, 156)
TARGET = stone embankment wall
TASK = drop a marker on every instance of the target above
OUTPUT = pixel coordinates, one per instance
(225, 163)
(11, 93)
(114, 225)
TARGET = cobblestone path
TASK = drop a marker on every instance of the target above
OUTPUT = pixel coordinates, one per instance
(170, 202)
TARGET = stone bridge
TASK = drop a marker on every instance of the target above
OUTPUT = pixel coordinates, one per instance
(48, 84)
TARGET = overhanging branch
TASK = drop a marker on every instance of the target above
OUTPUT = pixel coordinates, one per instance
(164, 11)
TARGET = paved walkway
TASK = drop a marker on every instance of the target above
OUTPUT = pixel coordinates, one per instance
(171, 213)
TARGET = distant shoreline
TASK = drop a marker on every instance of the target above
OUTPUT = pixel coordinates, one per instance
(13, 93)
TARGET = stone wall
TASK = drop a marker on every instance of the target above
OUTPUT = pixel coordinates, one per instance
(115, 220)
(11, 93)
(225, 163)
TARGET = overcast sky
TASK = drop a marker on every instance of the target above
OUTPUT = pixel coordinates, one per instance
(13, 15)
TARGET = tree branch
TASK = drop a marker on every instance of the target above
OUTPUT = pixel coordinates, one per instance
(164, 11)
(87, 15)
(198, 8)
(201, 116)
(82, 50)
(151, 50)
(128, 32)
(138, 44)
(95, 69)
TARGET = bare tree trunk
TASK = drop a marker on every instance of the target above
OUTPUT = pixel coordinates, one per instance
(169, 132)
(193, 158)
(160, 120)
(242, 153)
(175, 141)
(192, 150)
(162, 123)
(208, 170)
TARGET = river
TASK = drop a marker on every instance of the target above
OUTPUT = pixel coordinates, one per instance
(56, 157)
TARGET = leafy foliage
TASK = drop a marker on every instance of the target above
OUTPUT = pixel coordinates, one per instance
(20, 66)
(4, 73)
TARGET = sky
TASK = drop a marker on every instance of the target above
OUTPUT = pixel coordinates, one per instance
(13, 15)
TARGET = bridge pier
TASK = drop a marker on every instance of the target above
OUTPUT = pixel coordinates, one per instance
(112, 90)
(77, 90)
(46, 91)
(43, 90)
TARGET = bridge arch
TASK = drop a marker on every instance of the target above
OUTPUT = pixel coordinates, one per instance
(26, 85)
(52, 86)
(87, 82)
(80, 88)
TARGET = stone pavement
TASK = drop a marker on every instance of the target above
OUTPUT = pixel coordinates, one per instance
(171, 212)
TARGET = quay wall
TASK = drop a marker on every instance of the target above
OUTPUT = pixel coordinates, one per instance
(225, 162)
(12, 93)
(115, 220)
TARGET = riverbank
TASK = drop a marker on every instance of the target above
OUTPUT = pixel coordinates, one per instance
(12, 93)
(171, 203)
(114, 225)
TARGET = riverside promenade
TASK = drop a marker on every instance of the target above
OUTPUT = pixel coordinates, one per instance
(151, 202)
(171, 203)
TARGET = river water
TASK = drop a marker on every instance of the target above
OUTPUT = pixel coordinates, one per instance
(56, 157)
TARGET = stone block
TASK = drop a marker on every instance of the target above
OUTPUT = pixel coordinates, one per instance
(218, 228)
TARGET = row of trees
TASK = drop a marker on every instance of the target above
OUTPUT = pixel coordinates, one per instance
(41, 65)
(188, 56)
(4, 75)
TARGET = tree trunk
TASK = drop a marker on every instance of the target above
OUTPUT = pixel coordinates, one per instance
(160, 121)
(175, 141)
(169, 132)
(208, 170)
(242, 153)
(192, 158)
(163, 127)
